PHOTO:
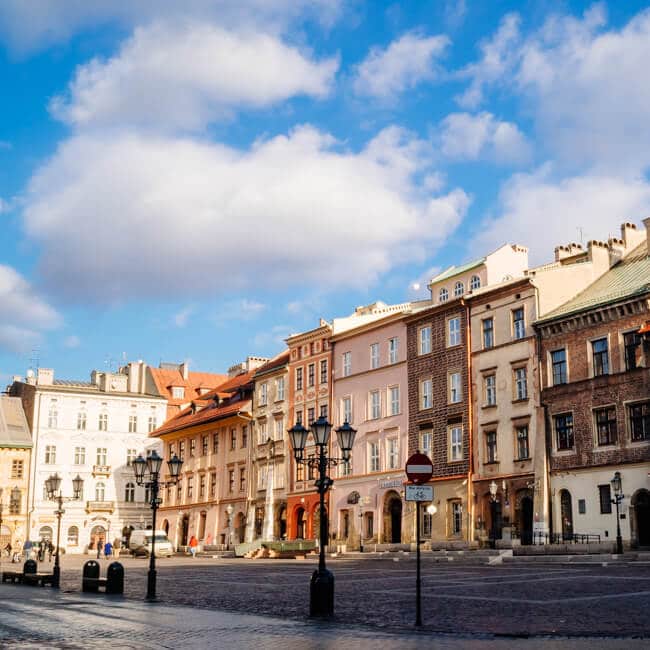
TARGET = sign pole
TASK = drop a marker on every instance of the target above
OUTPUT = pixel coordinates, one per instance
(418, 603)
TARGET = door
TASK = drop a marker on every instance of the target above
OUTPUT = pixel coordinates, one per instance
(396, 521)
(300, 518)
(185, 529)
(642, 512)
(526, 521)
(566, 513)
(97, 534)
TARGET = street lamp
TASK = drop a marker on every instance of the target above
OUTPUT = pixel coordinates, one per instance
(321, 591)
(493, 514)
(53, 486)
(147, 474)
(618, 497)
(229, 511)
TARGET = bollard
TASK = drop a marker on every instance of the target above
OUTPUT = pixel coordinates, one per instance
(90, 577)
(115, 578)
(30, 567)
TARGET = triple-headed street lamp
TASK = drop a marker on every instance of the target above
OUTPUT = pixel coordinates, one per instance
(493, 514)
(321, 591)
(147, 474)
(618, 497)
(53, 486)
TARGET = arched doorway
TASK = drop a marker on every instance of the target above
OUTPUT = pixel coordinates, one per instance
(185, 529)
(97, 534)
(526, 521)
(566, 515)
(300, 519)
(392, 518)
(166, 527)
(45, 534)
(282, 520)
(641, 503)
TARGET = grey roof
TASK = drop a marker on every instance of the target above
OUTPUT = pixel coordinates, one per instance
(627, 279)
(14, 430)
(74, 382)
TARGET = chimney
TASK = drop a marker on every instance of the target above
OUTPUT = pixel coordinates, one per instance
(562, 252)
(185, 370)
(45, 376)
(646, 223)
(631, 235)
(616, 250)
(598, 255)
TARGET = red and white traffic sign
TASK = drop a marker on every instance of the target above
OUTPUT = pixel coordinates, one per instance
(419, 468)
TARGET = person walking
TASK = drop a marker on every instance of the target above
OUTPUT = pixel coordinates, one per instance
(108, 549)
(50, 549)
(100, 547)
(194, 543)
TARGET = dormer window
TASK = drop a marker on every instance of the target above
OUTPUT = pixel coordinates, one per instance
(475, 282)
(459, 289)
(178, 392)
(443, 296)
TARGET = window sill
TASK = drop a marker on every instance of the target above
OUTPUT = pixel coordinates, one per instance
(521, 400)
(523, 460)
(488, 406)
(454, 462)
(491, 462)
(609, 447)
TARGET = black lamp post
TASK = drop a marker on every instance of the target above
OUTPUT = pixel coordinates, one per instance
(53, 486)
(321, 591)
(147, 473)
(618, 497)
(493, 514)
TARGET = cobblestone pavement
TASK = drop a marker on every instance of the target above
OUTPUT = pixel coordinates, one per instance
(520, 600)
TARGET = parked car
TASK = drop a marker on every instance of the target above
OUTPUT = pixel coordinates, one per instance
(140, 543)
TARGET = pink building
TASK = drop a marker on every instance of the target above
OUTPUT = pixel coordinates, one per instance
(370, 392)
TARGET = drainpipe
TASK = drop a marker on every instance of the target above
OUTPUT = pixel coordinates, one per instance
(470, 434)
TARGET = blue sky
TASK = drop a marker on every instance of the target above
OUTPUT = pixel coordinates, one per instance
(198, 184)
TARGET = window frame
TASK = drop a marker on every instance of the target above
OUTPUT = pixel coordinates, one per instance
(643, 418)
(393, 350)
(426, 397)
(451, 389)
(454, 336)
(604, 435)
(600, 365)
(568, 430)
(518, 441)
(490, 392)
(562, 366)
(374, 404)
(491, 446)
(394, 401)
(520, 377)
(424, 342)
(518, 324)
(455, 447)
(347, 363)
(487, 333)
(459, 289)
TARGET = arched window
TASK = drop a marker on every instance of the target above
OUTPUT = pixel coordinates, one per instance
(475, 282)
(100, 492)
(443, 296)
(129, 493)
(73, 536)
(45, 533)
(459, 289)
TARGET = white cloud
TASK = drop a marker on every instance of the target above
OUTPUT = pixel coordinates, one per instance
(24, 315)
(542, 212)
(181, 317)
(71, 342)
(186, 217)
(406, 62)
(418, 288)
(29, 25)
(272, 338)
(183, 75)
(469, 137)
(242, 309)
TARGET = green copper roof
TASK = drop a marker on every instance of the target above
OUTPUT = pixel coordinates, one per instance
(627, 279)
(457, 270)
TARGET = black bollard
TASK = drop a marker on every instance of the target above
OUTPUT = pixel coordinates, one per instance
(115, 578)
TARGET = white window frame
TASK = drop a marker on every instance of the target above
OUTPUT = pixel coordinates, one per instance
(101, 456)
(519, 326)
(346, 409)
(443, 295)
(426, 394)
(79, 455)
(279, 389)
(374, 356)
(374, 403)
(490, 382)
(455, 384)
(424, 339)
(521, 385)
(455, 443)
(394, 400)
(453, 331)
(392, 453)
(374, 464)
(459, 289)
(264, 393)
(393, 349)
(426, 442)
(347, 364)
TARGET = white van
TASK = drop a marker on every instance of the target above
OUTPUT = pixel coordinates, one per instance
(140, 543)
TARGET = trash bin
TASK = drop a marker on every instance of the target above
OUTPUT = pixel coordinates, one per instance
(115, 578)
(90, 576)
(30, 566)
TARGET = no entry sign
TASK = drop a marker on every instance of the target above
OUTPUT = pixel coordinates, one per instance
(419, 468)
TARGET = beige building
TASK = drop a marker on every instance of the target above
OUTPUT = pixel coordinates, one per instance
(15, 454)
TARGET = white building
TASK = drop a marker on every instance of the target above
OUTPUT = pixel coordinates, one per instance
(92, 429)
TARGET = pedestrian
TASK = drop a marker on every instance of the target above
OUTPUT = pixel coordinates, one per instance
(116, 547)
(41, 550)
(50, 549)
(194, 543)
(8, 549)
(100, 547)
(108, 549)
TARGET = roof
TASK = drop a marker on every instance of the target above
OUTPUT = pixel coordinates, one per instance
(165, 378)
(627, 279)
(210, 409)
(278, 361)
(457, 270)
(14, 430)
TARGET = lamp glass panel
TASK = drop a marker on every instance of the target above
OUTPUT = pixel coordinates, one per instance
(174, 464)
(154, 462)
(139, 466)
(321, 429)
(298, 436)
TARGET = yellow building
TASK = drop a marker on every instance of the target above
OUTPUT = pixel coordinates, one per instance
(15, 454)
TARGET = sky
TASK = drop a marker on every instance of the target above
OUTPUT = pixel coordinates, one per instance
(196, 181)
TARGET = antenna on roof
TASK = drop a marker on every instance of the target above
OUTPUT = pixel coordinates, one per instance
(580, 234)
(35, 359)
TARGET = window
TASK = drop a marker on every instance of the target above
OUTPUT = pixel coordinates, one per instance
(640, 421)
(455, 393)
(558, 364)
(190, 488)
(564, 431)
(427, 524)
(373, 456)
(81, 421)
(374, 355)
(347, 363)
(79, 455)
(279, 429)
(264, 389)
(426, 443)
(129, 493)
(100, 492)
(393, 453)
(491, 447)
(426, 395)
(488, 333)
(131, 455)
(310, 416)
(600, 357)
(518, 324)
(606, 429)
(300, 472)
(475, 283)
(393, 349)
(15, 501)
(262, 432)
(213, 484)
(605, 496)
(50, 454)
(523, 448)
(456, 518)
(345, 469)
(299, 416)
(17, 469)
(631, 342)
(204, 446)
(521, 384)
(233, 439)
(152, 423)
(192, 447)
(425, 340)
(244, 436)
(375, 405)
(231, 480)
(101, 456)
(459, 289)
(346, 409)
(393, 392)
(215, 443)
(181, 449)
(453, 331)
(323, 411)
(179, 491)
(178, 392)
(242, 480)
(52, 416)
(102, 425)
(311, 369)
(73, 536)
(279, 389)
(298, 378)
(202, 486)
(133, 423)
(455, 443)
(323, 371)
(490, 382)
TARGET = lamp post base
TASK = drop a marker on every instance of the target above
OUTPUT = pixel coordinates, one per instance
(151, 585)
(56, 577)
(619, 545)
(321, 594)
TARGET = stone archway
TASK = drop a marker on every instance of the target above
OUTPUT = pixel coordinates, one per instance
(524, 515)
(97, 534)
(392, 518)
(640, 502)
(301, 523)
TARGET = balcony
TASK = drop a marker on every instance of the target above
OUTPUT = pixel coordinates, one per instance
(101, 470)
(100, 506)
